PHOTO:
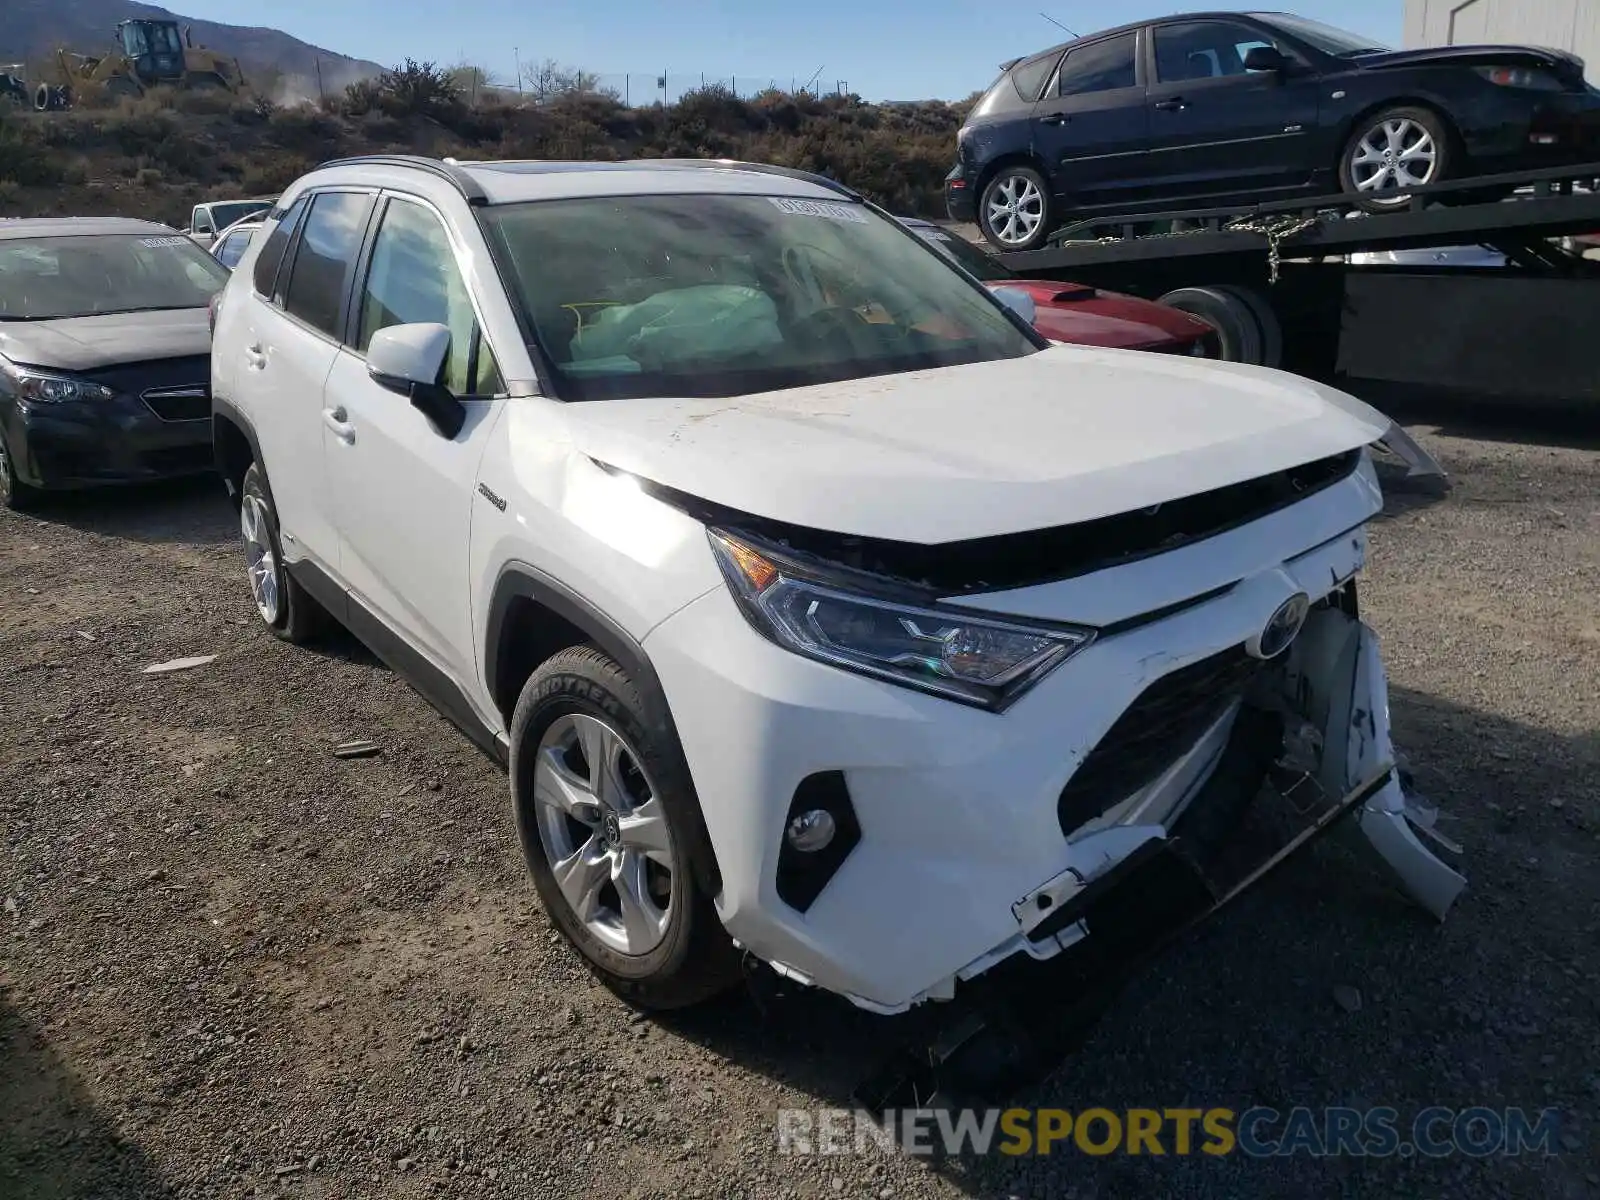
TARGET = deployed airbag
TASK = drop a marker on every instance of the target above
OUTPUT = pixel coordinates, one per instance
(684, 324)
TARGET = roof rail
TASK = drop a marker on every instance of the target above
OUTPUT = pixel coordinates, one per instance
(832, 185)
(464, 183)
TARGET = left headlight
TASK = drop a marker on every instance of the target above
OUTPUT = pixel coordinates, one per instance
(47, 387)
(976, 660)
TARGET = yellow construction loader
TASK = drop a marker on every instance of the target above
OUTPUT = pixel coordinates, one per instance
(146, 54)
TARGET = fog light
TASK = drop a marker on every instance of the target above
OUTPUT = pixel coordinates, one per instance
(1543, 139)
(811, 831)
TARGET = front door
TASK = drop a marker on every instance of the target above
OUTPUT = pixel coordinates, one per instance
(1216, 128)
(1091, 127)
(402, 492)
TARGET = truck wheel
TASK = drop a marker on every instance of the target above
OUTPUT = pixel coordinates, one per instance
(1396, 148)
(285, 608)
(1237, 332)
(41, 98)
(1267, 323)
(606, 816)
(1014, 211)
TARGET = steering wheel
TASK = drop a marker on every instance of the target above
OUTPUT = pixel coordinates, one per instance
(823, 323)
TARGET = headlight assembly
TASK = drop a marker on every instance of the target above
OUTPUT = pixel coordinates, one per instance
(977, 660)
(1530, 78)
(47, 387)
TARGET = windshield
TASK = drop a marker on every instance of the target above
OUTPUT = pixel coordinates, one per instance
(1322, 37)
(973, 258)
(223, 215)
(83, 275)
(723, 295)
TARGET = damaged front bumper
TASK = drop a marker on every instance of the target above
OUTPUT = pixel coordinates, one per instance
(1326, 710)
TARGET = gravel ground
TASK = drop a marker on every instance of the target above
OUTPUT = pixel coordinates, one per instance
(232, 964)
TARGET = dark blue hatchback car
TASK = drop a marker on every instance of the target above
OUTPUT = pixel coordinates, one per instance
(1225, 107)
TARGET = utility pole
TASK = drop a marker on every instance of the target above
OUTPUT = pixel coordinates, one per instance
(516, 56)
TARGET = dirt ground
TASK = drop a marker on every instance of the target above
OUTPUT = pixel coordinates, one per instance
(232, 964)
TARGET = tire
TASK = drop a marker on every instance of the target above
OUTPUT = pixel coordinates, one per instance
(1022, 194)
(14, 494)
(1238, 334)
(285, 608)
(1371, 136)
(672, 955)
(41, 98)
(1267, 323)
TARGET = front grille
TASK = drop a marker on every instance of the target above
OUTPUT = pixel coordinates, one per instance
(150, 379)
(1166, 720)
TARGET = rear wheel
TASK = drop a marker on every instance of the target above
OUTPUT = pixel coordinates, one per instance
(1014, 211)
(285, 608)
(1401, 147)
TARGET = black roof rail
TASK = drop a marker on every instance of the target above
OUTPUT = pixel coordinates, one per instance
(464, 183)
(833, 185)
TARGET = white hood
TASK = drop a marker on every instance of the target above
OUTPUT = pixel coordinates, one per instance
(1061, 436)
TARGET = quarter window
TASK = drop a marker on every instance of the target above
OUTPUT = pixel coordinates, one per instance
(271, 256)
(1028, 78)
(1102, 67)
(328, 246)
(1203, 50)
(414, 279)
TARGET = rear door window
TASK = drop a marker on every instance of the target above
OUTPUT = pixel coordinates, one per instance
(1103, 67)
(320, 272)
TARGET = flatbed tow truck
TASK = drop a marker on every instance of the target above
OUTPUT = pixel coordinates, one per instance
(1274, 279)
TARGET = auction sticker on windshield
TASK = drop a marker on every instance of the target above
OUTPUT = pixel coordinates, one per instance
(820, 208)
(163, 241)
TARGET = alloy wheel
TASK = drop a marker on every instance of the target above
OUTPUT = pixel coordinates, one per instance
(605, 834)
(1395, 153)
(1015, 209)
(260, 559)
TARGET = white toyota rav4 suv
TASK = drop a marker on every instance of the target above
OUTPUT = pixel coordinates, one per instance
(819, 608)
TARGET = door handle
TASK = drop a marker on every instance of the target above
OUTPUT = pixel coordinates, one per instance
(1054, 119)
(338, 420)
(255, 357)
(1175, 104)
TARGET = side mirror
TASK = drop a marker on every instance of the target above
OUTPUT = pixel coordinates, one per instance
(203, 225)
(1265, 58)
(1018, 301)
(407, 360)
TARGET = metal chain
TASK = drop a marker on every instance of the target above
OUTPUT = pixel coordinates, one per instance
(1274, 229)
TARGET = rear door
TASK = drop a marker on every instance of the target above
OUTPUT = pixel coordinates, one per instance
(287, 348)
(1092, 125)
(1217, 128)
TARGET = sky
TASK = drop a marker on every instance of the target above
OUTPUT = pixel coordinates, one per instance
(883, 50)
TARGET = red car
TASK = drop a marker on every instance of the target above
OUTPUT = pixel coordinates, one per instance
(1074, 312)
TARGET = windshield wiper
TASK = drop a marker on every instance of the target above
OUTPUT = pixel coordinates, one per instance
(143, 308)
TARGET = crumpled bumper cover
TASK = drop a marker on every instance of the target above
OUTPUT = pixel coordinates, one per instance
(1147, 885)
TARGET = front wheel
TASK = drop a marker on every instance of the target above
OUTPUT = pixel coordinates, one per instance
(606, 816)
(1014, 211)
(14, 494)
(1391, 150)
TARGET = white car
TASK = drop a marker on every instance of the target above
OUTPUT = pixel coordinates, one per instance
(819, 607)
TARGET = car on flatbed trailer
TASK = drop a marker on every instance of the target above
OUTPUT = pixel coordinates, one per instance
(1230, 107)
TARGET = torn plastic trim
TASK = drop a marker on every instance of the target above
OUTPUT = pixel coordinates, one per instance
(1418, 462)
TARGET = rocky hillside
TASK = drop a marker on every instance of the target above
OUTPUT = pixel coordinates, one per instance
(156, 156)
(32, 29)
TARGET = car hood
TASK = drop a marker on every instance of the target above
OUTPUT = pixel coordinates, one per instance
(1567, 66)
(1073, 312)
(84, 343)
(1057, 437)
